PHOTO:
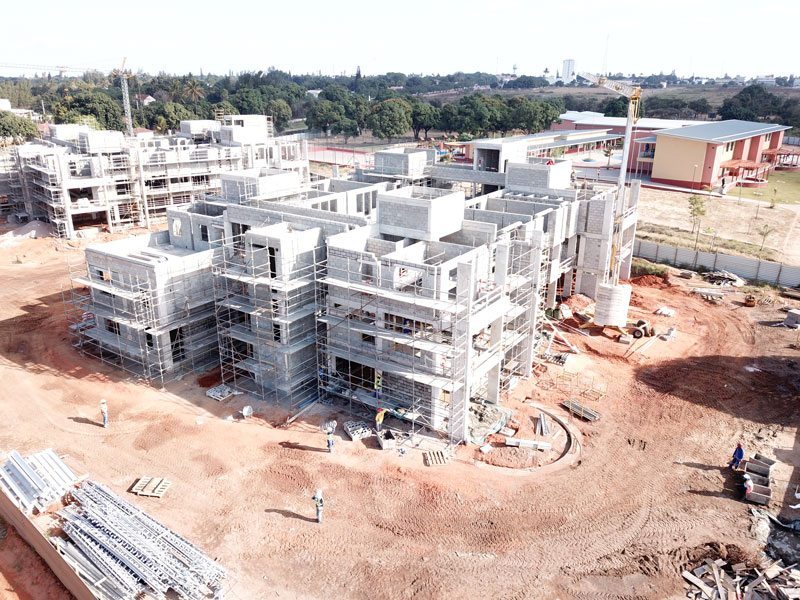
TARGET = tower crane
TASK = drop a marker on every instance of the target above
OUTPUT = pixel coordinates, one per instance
(126, 99)
(634, 96)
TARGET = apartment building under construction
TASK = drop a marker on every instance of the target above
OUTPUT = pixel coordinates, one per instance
(79, 178)
(414, 299)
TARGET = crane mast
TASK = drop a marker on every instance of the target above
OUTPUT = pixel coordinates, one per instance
(634, 96)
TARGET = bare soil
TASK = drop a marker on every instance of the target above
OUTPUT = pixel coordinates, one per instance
(649, 494)
(726, 218)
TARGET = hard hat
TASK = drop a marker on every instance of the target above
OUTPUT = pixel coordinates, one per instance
(318, 494)
(746, 476)
(103, 401)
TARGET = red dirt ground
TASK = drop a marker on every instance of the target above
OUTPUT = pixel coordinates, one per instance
(647, 497)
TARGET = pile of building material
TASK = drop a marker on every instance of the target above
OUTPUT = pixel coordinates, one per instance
(719, 580)
(792, 318)
(723, 279)
(542, 426)
(579, 410)
(35, 482)
(357, 430)
(759, 468)
(221, 392)
(665, 311)
(121, 552)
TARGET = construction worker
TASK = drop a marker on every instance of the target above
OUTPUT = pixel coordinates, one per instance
(738, 456)
(318, 502)
(379, 419)
(104, 412)
(747, 485)
(330, 439)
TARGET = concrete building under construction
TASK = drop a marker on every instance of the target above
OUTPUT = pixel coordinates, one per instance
(80, 178)
(409, 298)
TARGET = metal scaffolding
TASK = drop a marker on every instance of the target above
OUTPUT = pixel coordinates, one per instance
(414, 350)
(265, 313)
(155, 333)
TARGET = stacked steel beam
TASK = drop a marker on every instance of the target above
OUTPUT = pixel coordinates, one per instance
(35, 482)
(135, 553)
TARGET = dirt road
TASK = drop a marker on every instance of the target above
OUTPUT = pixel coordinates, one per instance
(647, 497)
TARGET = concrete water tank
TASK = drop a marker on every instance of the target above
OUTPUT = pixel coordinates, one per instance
(611, 304)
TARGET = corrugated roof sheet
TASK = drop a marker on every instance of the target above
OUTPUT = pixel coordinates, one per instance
(722, 131)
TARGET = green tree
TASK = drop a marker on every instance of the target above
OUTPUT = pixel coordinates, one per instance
(163, 116)
(18, 129)
(345, 127)
(699, 106)
(101, 106)
(281, 113)
(527, 114)
(249, 102)
(473, 113)
(764, 231)
(390, 119)
(424, 117)
(449, 119)
(193, 91)
(323, 115)
(226, 107)
(697, 210)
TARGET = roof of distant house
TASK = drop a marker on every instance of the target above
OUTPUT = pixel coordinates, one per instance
(598, 119)
(721, 132)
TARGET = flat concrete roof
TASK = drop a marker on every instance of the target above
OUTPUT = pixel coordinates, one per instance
(591, 118)
(720, 132)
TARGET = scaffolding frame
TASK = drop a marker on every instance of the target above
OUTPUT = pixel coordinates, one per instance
(265, 313)
(117, 318)
(425, 336)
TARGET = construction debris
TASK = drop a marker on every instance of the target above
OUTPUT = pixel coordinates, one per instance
(542, 426)
(669, 335)
(533, 444)
(154, 487)
(221, 392)
(35, 482)
(557, 358)
(723, 279)
(357, 430)
(792, 318)
(581, 411)
(665, 311)
(122, 552)
(717, 580)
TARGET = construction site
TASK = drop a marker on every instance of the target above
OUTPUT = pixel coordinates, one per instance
(495, 398)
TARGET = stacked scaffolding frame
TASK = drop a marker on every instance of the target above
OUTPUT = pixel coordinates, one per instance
(265, 311)
(118, 318)
(416, 351)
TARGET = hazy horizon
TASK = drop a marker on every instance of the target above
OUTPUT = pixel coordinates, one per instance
(423, 38)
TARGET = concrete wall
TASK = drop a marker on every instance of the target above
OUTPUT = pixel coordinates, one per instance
(421, 218)
(747, 268)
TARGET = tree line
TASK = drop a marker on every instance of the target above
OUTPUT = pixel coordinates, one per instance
(342, 106)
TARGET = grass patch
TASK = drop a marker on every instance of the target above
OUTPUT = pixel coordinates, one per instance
(640, 266)
(786, 182)
(686, 239)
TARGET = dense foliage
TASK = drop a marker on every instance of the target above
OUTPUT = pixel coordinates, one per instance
(388, 105)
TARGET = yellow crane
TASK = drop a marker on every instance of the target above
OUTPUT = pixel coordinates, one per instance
(634, 96)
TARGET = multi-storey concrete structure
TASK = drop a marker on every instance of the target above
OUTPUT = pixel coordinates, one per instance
(81, 177)
(413, 299)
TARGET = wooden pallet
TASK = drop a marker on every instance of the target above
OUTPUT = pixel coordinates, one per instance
(435, 458)
(154, 487)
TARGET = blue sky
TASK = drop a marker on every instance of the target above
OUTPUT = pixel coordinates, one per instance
(704, 37)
